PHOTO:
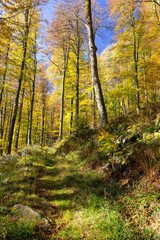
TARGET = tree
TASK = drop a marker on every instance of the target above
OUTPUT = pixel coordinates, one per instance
(60, 34)
(94, 69)
(26, 18)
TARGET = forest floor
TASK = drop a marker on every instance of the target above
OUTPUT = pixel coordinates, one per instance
(80, 202)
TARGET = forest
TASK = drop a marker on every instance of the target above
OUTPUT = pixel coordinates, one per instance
(80, 123)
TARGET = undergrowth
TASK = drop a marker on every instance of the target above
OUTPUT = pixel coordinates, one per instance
(69, 185)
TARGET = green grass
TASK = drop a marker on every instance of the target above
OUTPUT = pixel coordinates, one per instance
(79, 202)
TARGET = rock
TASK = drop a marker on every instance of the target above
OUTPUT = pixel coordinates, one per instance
(107, 167)
(128, 139)
(131, 138)
(29, 215)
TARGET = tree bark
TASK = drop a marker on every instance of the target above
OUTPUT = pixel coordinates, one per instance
(19, 122)
(136, 84)
(77, 68)
(71, 118)
(62, 105)
(93, 109)
(43, 118)
(135, 59)
(10, 109)
(5, 73)
(94, 69)
(3, 118)
(66, 56)
(10, 137)
(33, 94)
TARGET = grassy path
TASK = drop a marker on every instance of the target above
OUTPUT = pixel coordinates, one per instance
(87, 206)
(79, 202)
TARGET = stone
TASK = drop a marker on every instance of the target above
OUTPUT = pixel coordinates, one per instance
(128, 139)
(29, 215)
(131, 138)
(107, 167)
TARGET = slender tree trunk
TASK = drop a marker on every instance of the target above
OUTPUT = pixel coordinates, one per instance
(5, 73)
(37, 124)
(128, 101)
(135, 57)
(119, 107)
(93, 109)
(43, 118)
(155, 94)
(33, 94)
(3, 118)
(11, 132)
(51, 127)
(19, 122)
(27, 136)
(71, 118)
(10, 110)
(77, 69)
(123, 107)
(145, 84)
(66, 56)
(94, 69)
(62, 105)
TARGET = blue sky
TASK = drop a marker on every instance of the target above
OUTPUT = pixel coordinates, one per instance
(101, 42)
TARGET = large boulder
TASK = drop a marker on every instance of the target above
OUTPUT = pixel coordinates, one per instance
(29, 215)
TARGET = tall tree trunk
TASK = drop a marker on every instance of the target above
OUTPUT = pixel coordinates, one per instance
(3, 118)
(77, 69)
(135, 58)
(66, 56)
(51, 127)
(37, 124)
(128, 101)
(62, 105)
(94, 69)
(5, 73)
(19, 122)
(10, 109)
(11, 131)
(123, 106)
(155, 94)
(119, 107)
(71, 118)
(93, 108)
(33, 94)
(27, 139)
(43, 118)
(145, 84)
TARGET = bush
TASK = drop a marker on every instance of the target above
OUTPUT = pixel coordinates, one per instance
(82, 129)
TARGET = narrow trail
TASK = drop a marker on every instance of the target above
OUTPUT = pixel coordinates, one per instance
(56, 186)
(81, 204)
